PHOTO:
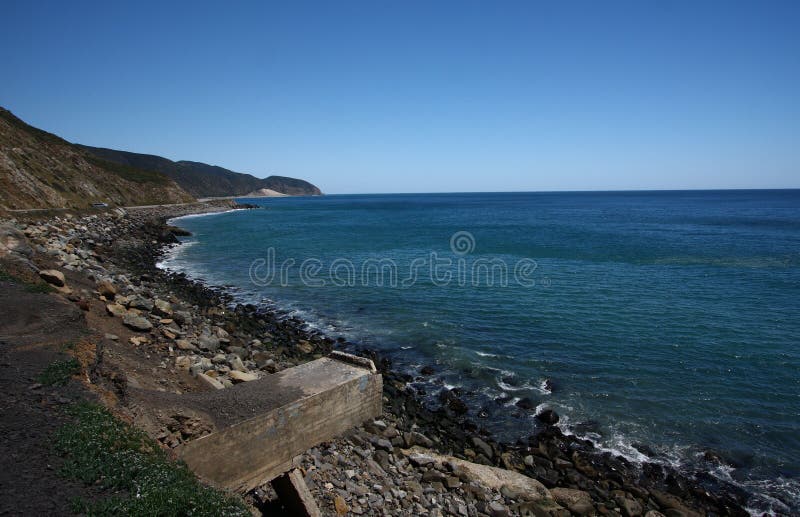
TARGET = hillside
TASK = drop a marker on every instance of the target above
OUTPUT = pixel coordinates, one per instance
(203, 180)
(40, 170)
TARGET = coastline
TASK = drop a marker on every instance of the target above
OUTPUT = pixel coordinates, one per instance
(570, 467)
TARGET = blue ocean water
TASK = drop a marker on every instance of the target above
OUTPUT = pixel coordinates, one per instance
(667, 323)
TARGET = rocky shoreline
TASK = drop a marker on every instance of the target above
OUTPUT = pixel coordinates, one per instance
(414, 460)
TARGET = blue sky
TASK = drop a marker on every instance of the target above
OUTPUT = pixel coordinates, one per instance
(424, 96)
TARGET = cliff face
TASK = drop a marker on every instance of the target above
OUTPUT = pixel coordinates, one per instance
(41, 170)
(203, 180)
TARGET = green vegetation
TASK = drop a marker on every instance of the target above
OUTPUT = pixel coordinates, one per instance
(39, 287)
(127, 172)
(35, 286)
(99, 449)
(58, 373)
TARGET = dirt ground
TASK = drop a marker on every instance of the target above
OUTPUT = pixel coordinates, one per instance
(34, 328)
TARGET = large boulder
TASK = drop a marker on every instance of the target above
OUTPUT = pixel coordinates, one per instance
(490, 477)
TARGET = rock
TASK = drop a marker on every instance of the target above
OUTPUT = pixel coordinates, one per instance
(416, 438)
(340, 505)
(526, 403)
(421, 460)
(162, 308)
(13, 242)
(483, 447)
(305, 347)
(654, 513)
(182, 317)
(137, 323)
(210, 381)
(429, 476)
(115, 309)
(492, 477)
(451, 401)
(237, 376)
(208, 343)
(53, 277)
(630, 507)
(496, 509)
(183, 344)
(236, 363)
(547, 417)
(380, 443)
(577, 501)
(107, 289)
(112, 337)
(452, 482)
(183, 362)
(141, 303)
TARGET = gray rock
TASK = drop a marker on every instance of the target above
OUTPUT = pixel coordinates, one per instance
(141, 303)
(137, 323)
(208, 343)
(162, 308)
(380, 443)
(483, 447)
(630, 507)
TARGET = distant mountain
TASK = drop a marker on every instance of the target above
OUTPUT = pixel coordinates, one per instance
(40, 170)
(203, 180)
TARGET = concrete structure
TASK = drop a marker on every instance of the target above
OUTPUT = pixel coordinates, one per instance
(262, 425)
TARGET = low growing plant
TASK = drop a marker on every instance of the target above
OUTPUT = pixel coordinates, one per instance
(100, 449)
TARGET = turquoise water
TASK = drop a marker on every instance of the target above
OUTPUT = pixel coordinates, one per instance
(669, 319)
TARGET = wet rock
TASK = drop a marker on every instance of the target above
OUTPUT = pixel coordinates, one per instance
(526, 403)
(451, 401)
(547, 417)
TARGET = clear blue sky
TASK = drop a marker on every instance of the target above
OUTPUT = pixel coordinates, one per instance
(424, 96)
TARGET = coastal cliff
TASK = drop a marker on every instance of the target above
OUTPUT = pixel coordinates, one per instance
(41, 170)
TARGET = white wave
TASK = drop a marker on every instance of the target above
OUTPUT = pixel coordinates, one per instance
(486, 354)
(194, 216)
(543, 387)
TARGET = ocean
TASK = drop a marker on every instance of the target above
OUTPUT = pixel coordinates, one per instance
(661, 325)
